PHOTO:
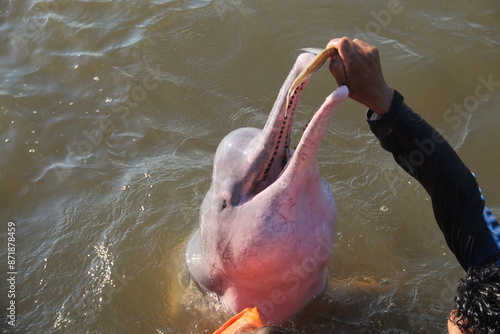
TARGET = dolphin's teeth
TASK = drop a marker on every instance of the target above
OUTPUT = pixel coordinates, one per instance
(284, 160)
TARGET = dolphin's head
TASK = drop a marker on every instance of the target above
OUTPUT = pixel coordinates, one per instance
(248, 160)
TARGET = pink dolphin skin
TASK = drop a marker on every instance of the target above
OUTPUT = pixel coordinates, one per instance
(267, 222)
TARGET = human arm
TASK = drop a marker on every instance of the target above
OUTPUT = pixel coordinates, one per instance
(470, 229)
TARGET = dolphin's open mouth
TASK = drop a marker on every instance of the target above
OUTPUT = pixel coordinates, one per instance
(276, 158)
(277, 131)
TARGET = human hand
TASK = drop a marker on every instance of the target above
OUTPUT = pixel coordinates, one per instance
(357, 65)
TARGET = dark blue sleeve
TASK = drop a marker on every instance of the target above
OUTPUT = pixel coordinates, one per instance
(471, 231)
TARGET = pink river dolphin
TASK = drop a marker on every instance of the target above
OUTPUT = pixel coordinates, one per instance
(267, 222)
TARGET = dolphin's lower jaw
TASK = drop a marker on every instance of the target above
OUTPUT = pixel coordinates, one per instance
(282, 302)
(267, 225)
(293, 249)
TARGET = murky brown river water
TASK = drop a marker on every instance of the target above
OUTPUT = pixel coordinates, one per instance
(110, 114)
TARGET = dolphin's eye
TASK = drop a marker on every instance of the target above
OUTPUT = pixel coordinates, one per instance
(224, 204)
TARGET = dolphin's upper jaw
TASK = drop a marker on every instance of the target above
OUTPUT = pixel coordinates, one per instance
(276, 136)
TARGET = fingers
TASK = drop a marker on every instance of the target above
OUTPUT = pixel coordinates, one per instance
(337, 63)
(334, 43)
(344, 45)
(358, 66)
(348, 47)
(337, 70)
(360, 42)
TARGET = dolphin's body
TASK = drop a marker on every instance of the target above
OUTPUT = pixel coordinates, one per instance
(268, 219)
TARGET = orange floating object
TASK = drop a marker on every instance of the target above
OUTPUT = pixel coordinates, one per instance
(249, 317)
